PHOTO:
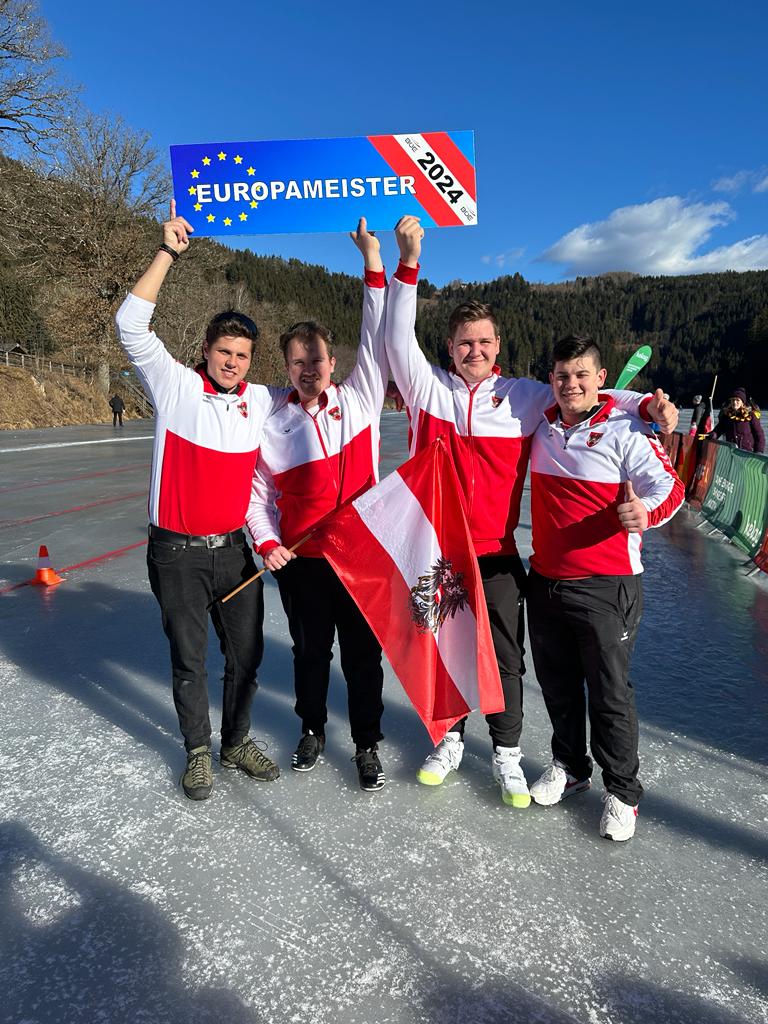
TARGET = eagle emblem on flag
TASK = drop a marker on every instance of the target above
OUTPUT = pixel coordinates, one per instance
(438, 595)
(593, 438)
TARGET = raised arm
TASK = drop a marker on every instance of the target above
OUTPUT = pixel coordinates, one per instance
(371, 371)
(410, 368)
(161, 376)
(175, 242)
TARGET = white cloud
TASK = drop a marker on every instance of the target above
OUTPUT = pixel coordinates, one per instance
(661, 237)
(734, 183)
(502, 259)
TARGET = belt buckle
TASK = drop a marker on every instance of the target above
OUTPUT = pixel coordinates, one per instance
(210, 541)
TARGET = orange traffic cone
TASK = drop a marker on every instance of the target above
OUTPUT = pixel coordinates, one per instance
(45, 575)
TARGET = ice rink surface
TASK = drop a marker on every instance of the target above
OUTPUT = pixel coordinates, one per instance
(307, 900)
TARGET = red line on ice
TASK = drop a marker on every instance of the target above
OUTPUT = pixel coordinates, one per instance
(4, 524)
(117, 553)
(67, 479)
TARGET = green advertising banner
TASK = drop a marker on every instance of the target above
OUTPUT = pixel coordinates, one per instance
(721, 489)
(751, 520)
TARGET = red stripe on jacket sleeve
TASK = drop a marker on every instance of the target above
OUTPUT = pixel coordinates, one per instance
(659, 515)
(408, 275)
(375, 278)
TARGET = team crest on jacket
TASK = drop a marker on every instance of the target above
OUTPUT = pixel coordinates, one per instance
(242, 408)
(593, 438)
(438, 595)
(496, 401)
(335, 413)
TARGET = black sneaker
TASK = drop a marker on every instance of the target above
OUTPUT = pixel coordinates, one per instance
(197, 780)
(369, 769)
(309, 749)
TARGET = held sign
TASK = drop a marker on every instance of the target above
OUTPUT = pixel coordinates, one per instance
(316, 185)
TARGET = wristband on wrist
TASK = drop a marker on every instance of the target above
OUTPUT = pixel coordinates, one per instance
(171, 252)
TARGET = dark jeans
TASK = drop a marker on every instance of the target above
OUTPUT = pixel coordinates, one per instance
(187, 583)
(317, 605)
(115, 417)
(504, 585)
(585, 630)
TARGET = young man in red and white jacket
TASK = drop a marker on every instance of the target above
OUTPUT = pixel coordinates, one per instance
(599, 477)
(208, 427)
(317, 452)
(487, 421)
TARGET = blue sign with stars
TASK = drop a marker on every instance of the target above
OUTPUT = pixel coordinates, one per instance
(316, 185)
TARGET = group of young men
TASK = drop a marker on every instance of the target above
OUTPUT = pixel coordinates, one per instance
(227, 453)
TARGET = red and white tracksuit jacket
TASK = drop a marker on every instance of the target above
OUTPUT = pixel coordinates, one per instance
(310, 464)
(206, 443)
(487, 426)
(578, 478)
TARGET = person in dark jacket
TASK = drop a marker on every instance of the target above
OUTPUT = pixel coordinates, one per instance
(739, 423)
(700, 413)
(117, 405)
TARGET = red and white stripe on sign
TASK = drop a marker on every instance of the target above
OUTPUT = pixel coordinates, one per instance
(444, 180)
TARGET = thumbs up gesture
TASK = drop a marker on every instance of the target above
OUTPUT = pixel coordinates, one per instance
(633, 515)
(663, 412)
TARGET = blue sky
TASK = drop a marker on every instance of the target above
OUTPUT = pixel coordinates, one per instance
(608, 137)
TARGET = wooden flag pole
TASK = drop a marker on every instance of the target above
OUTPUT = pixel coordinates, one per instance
(261, 572)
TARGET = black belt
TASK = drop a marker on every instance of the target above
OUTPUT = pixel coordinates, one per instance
(185, 540)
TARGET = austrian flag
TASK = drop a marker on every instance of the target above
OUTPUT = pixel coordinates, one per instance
(404, 552)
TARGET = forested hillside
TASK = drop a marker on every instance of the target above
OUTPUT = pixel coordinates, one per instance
(54, 302)
(697, 326)
(80, 194)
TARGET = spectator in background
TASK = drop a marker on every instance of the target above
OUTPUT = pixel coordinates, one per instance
(739, 423)
(117, 405)
(699, 416)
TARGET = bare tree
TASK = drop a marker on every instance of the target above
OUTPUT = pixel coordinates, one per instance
(33, 99)
(95, 225)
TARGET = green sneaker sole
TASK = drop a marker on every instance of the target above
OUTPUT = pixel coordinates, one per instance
(516, 799)
(428, 778)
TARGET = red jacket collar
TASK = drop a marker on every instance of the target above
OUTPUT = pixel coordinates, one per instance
(208, 387)
(606, 404)
(322, 399)
(494, 373)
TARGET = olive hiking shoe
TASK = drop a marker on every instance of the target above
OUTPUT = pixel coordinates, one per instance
(197, 780)
(251, 760)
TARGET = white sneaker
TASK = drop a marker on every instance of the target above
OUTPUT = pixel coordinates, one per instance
(505, 764)
(446, 757)
(555, 784)
(618, 820)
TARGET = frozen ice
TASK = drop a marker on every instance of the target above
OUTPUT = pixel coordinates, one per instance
(309, 900)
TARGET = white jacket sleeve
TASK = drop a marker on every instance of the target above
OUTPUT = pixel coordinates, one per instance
(371, 372)
(411, 369)
(262, 516)
(656, 484)
(162, 378)
(631, 401)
